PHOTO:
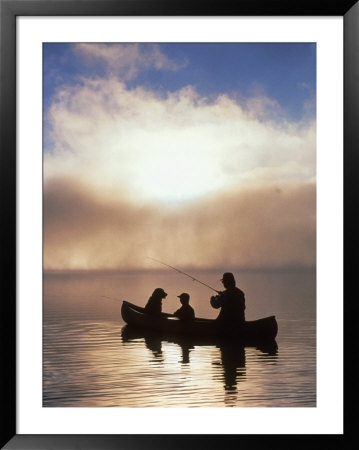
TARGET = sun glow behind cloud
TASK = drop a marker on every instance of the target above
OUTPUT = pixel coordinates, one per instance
(169, 149)
(156, 163)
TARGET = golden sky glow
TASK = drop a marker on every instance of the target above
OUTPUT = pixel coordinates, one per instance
(195, 180)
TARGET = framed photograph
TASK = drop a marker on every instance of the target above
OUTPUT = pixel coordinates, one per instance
(174, 179)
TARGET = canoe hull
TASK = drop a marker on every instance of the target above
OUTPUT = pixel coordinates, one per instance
(257, 330)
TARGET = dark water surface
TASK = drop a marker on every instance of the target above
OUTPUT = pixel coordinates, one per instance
(90, 359)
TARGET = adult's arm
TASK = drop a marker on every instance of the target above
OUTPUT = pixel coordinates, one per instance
(217, 300)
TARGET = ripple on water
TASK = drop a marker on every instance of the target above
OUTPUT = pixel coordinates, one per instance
(88, 364)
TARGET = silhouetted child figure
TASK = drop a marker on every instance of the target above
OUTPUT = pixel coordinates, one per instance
(186, 312)
(154, 303)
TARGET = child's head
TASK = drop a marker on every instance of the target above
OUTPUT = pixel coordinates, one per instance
(184, 298)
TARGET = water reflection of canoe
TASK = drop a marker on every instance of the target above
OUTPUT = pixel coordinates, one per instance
(154, 339)
(252, 331)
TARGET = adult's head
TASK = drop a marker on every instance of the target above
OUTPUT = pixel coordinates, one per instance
(184, 298)
(228, 280)
(159, 293)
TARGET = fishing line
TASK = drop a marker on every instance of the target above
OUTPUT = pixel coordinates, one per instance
(111, 298)
(184, 273)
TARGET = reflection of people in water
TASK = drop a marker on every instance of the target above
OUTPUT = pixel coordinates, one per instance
(234, 364)
(154, 344)
(186, 347)
(231, 301)
(154, 303)
(185, 312)
(185, 353)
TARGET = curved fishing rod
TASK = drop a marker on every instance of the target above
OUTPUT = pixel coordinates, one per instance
(184, 273)
(111, 298)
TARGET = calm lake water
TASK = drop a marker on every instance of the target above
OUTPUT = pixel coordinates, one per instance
(89, 359)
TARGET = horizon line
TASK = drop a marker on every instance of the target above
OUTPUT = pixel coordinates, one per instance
(215, 269)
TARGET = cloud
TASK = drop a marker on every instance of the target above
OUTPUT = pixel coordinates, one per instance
(268, 226)
(218, 183)
(125, 60)
(171, 148)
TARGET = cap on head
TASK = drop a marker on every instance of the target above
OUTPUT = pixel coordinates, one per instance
(159, 292)
(228, 277)
(183, 296)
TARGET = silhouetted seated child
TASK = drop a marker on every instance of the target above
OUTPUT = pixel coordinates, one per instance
(154, 303)
(186, 312)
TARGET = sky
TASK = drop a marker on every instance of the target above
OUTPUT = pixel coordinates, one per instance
(199, 155)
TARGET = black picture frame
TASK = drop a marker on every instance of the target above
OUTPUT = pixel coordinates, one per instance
(9, 10)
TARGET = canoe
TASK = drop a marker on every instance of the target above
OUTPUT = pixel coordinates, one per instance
(251, 331)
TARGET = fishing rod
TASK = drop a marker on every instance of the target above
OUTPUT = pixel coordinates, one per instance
(184, 273)
(111, 298)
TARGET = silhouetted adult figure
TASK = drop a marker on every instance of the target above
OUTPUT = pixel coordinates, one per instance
(185, 312)
(231, 301)
(154, 303)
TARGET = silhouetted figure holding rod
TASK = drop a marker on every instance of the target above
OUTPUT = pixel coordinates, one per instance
(231, 301)
(186, 312)
(154, 303)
